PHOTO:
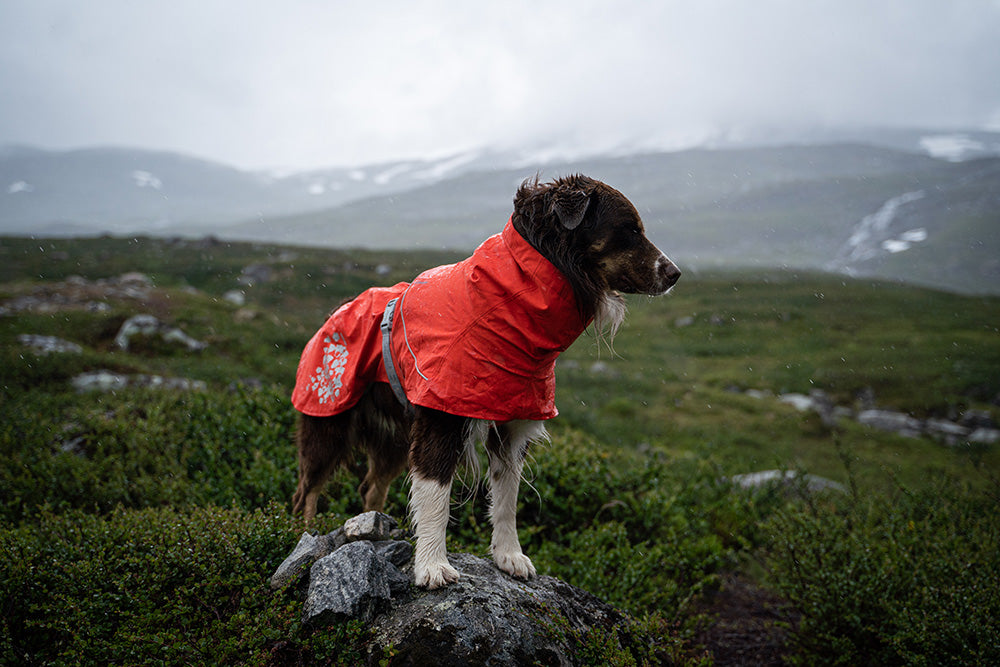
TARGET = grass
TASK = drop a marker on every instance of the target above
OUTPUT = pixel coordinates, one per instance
(140, 526)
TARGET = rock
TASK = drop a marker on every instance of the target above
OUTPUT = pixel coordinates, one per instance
(49, 344)
(353, 582)
(99, 381)
(787, 479)
(686, 321)
(800, 402)
(985, 436)
(253, 274)
(237, 297)
(486, 618)
(757, 393)
(148, 325)
(397, 552)
(895, 422)
(104, 380)
(306, 552)
(974, 419)
(823, 405)
(949, 432)
(490, 618)
(372, 526)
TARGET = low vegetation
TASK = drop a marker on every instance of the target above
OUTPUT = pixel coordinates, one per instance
(141, 525)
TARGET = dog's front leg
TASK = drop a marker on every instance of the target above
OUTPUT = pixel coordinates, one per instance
(429, 504)
(507, 448)
(437, 440)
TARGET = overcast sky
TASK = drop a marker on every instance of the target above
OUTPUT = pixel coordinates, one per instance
(308, 83)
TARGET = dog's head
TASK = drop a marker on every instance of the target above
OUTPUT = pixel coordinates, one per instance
(594, 235)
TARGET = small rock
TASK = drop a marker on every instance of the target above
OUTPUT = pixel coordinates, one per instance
(798, 401)
(786, 478)
(681, 322)
(895, 422)
(352, 582)
(307, 551)
(237, 297)
(823, 405)
(373, 526)
(104, 380)
(942, 429)
(396, 552)
(148, 325)
(985, 436)
(99, 381)
(49, 344)
(977, 419)
(253, 274)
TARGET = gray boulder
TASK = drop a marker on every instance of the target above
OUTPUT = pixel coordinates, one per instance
(486, 618)
(489, 618)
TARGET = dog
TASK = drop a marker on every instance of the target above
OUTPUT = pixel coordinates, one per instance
(417, 374)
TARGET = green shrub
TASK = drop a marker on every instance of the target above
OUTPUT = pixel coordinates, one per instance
(156, 585)
(911, 581)
(146, 449)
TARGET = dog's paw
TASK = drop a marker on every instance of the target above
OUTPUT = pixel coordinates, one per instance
(434, 575)
(515, 563)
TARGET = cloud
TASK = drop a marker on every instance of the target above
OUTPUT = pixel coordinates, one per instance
(309, 83)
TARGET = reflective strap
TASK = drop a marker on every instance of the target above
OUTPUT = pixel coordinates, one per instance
(390, 368)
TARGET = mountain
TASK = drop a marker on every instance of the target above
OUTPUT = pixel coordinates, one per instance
(130, 191)
(868, 209)
(854, 209)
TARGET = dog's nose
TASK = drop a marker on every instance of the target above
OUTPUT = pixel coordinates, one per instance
(669, 273)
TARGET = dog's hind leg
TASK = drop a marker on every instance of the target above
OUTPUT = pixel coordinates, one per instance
(323, 446)
(383, 427)
(507, 447)
(437, 441)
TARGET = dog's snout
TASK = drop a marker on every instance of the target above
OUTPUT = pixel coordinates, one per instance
(668, 272)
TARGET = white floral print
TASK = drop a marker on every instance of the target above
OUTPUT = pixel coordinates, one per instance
(327, 380)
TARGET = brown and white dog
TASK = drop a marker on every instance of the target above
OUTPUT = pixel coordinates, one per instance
(570, 247)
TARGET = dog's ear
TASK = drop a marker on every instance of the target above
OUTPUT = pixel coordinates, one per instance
(570, 205)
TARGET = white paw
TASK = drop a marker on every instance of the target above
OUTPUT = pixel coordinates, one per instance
(434, 575)
(515, 563)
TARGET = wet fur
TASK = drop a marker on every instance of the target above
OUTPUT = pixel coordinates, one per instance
(595, 237)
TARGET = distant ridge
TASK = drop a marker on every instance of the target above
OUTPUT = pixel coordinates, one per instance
(865, 208)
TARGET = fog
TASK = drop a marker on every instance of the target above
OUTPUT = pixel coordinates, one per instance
(298, 84)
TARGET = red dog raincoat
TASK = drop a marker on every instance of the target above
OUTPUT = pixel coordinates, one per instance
(476, 339)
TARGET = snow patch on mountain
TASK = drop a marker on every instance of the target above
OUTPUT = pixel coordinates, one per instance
(383, 177)
(905, 240)
(145, 179)
(871, 238)
(445, 167)
(951, 147)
